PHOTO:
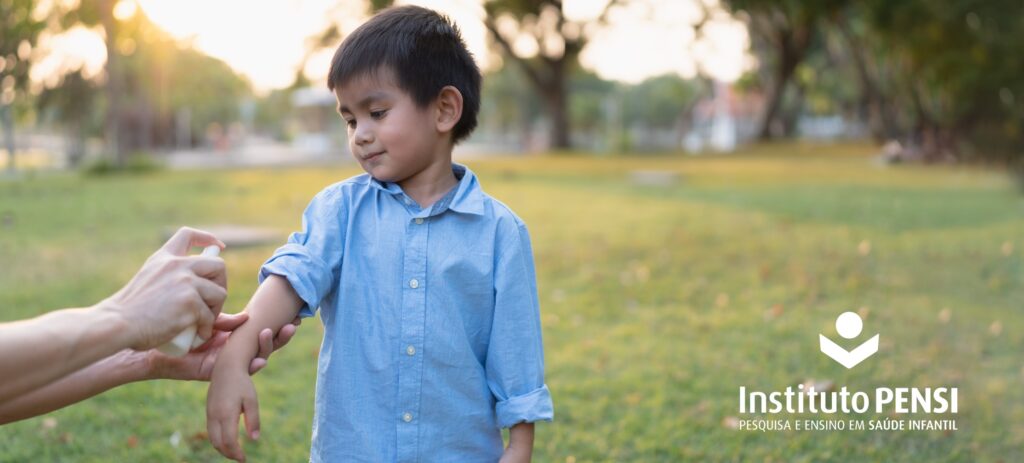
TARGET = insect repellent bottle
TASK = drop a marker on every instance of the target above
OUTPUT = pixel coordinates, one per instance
(187, 339)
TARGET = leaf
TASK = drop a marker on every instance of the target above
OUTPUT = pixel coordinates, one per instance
(49, 423)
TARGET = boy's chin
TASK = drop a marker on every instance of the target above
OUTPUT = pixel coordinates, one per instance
(380, 173)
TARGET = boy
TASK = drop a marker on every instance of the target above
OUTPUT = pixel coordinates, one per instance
(432, 338)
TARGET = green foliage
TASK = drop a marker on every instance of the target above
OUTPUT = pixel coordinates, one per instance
(660, 101)
(19, 30)
(137, 163)
(961, 59)
(163, 75)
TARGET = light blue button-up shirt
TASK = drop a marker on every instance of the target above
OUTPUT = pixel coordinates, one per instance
(432, 338)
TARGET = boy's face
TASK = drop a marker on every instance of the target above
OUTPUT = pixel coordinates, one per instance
(390, 137)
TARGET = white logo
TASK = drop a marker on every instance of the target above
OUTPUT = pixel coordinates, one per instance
(849, 326)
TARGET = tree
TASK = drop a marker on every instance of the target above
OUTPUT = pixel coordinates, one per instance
(558, 43)
(958, 71)
(101, 12)
(19, 30)
(72, 102)
(787, 29)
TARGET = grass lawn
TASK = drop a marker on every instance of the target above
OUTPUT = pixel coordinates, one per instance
(657, 303)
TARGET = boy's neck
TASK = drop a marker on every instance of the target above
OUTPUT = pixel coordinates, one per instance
(430, 184)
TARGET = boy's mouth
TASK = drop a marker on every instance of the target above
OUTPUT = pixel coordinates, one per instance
(372, 155)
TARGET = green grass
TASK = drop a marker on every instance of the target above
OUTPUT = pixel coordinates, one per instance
(657, 302)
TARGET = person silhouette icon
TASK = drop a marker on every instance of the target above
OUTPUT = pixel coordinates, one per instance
(849, 325)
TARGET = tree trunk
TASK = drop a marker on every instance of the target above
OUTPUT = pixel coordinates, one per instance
(7, 119)
(76, 143)
(879, 117)
(113, 122)
(557, 103)
(789, 58)
(790, 36)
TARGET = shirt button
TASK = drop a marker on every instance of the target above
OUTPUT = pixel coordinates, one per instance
(414, 283)
(407, 417)
(410, 350)
(419, 221)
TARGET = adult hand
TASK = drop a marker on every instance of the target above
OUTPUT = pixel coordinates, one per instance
(197, 365)
(172, 291)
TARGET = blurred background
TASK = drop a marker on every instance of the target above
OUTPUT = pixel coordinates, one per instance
(189, 81)
(708, 184)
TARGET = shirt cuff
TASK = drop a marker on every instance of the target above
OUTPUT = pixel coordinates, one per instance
(306, 273)
(527, 408)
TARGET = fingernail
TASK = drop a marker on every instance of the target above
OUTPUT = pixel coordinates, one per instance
(255, 435)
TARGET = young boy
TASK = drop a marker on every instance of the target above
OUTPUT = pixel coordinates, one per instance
(426, 284)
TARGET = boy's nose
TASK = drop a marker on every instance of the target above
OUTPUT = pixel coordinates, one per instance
(363, 136)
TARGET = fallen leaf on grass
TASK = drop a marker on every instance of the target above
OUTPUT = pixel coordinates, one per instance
(774, 312)
(818, 386)
(49, 423)
(864, 248)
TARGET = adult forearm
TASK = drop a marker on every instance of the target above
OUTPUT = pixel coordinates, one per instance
(121, 368)
(43, 349)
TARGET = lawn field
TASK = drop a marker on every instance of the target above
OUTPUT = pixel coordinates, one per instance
(657, 302)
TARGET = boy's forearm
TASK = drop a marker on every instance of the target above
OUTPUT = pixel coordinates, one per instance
(274, 305)
(520, 437)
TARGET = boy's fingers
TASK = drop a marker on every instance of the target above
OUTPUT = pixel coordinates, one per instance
(229, 440)
(213, 429)
(252, 417)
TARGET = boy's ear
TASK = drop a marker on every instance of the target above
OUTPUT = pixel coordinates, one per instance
(449, 109)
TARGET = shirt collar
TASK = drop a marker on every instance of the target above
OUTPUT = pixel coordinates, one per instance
(468, 198)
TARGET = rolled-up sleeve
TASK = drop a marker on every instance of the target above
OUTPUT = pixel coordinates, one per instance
(311, 259)
(515, 353)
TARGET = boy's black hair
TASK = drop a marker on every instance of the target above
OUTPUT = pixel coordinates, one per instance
(425, 51)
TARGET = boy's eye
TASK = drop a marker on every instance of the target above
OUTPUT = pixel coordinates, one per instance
(378, 114)
(351, 123)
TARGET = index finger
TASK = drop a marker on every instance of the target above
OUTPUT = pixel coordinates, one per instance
(186, 237)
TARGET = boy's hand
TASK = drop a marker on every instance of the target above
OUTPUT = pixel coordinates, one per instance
(231, 394)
